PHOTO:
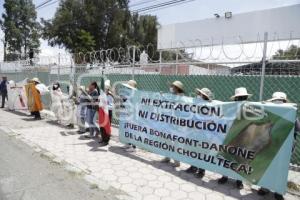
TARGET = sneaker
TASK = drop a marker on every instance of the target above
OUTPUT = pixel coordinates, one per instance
(278, 196)
(239, 185)
(165, 160)
(200, 173)
(262, 191)
(103, 144)
(80, 132)
(223, 180)
(130, 149)
(176, 163)
(70, 126)
(191, 170)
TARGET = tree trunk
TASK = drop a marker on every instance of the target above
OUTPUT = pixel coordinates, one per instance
(4, 50)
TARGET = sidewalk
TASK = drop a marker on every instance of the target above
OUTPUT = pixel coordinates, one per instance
(137, 175)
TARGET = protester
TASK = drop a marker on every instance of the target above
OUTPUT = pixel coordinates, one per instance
(241, 94)
(131, 84)
(33, 93)
(70, 105)
(176, 88)
(279, 98)
(81, 109)
(56, 98)
(206, 95)
(92, 108)
(3, 90)
(105, 105)
(110, 99)
(16, 95)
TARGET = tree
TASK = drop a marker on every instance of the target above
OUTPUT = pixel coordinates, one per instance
(292, 53)
(21, 29)
(105, 24)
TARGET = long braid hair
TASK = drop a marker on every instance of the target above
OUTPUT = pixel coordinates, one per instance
(94, 83)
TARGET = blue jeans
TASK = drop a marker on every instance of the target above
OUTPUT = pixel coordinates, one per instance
(91, 120)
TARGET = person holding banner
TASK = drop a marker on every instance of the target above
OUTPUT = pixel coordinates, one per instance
(206, 95)
(176, 88)
(241, 94)
(104, 118)
(81, 110)
(132, 85)
(110, 99)
(56, 98)
(279, 98)
(34, 90)
(92, 108)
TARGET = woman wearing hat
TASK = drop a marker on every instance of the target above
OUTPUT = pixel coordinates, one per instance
(206, 95)
(176, 88)
(241, 94)
(131, 84)
(56, 101)
(34, 98)
(110, 99)
(279, 98)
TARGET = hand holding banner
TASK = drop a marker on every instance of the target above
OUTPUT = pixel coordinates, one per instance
(247, 141)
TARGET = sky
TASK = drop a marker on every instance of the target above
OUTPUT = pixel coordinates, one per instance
(194, 10)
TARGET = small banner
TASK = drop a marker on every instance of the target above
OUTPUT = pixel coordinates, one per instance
(17, 99)
(247, 141)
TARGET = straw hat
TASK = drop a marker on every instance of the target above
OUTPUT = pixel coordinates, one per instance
(107, 84)
(131, 84)
(206, 92)
(239, 92)
(35, 79)
(279, 96)
(82, 87)
(178, 84)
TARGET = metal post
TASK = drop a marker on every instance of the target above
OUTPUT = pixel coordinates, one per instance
(263, 69)
(133, 62)
(58, 67)
(160, 61)
(176, 62)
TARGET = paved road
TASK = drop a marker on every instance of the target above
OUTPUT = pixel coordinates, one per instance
(24, 175)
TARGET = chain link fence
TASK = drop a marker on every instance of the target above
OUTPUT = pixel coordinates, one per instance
(155, 71)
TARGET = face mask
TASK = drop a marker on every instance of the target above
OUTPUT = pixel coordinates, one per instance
(172, 90)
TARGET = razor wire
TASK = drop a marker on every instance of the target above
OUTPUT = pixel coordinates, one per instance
(214, 66)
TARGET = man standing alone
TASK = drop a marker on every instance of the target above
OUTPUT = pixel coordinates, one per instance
(3, 90)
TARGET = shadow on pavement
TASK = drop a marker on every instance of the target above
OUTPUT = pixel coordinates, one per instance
(211, 184)
(17, 113)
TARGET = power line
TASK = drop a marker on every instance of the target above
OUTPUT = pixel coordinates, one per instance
(42, 4)
(142, 3)
(162, 5)
(49, 4)
(165, 7)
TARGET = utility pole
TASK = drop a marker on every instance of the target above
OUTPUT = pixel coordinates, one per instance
(263, 68)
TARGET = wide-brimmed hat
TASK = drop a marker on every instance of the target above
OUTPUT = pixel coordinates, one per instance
(178, 84)
(206, 92)
(82, 87)
(107, 84)
(131, 84)
(35, 79)
(279, 96)
(240, 92)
